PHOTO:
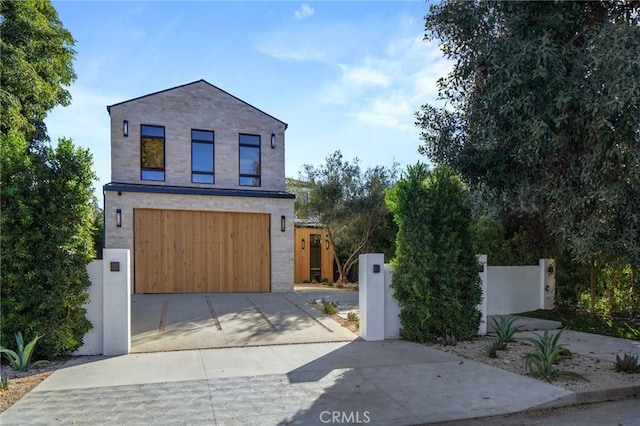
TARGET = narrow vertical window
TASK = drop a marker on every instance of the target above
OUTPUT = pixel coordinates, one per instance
(151, 152)
(202, 156)
(249, 160)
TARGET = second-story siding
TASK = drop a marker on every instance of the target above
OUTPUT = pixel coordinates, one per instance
(201, 106)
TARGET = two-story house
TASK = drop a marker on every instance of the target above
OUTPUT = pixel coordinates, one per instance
(197, 193)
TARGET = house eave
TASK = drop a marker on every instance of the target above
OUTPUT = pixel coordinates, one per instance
(185, 190)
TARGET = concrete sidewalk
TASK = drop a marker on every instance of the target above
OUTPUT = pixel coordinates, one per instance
(382, 383)
(392, 382)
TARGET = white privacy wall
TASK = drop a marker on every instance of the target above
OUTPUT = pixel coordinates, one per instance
(505, 290)
(512, 289)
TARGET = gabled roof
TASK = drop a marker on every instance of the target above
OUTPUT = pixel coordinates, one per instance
(189, 84)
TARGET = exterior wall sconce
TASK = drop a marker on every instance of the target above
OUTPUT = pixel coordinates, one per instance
(550, 270)
(119, 218)
(283, 223)
(273, 140)
(125, 128)
(303, 244)
(326, 243)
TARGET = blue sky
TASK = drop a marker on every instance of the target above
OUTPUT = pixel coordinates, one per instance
(345, 75)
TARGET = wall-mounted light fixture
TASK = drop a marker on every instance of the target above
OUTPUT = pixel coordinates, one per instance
(326, 243)
(125, 128)
(273, 140)
(119, 218)
(283, 223)
(303, 244)
(550, 269)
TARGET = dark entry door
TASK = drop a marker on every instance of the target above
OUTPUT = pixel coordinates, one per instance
(315, 254)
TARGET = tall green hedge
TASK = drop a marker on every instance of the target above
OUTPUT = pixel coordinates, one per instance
(46, 242)
(435, 271)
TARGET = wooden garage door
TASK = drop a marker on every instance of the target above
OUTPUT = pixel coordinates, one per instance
(179, 251)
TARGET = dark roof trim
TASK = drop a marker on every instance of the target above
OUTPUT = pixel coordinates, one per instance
(188, 84)
(184, 190)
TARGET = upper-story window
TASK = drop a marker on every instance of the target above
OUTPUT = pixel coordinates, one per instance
(249, 160)
(202, 159)
(151, 152)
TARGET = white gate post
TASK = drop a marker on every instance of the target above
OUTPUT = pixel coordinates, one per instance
(482, 307)
(116, 301)
(371, 297)
(547, 283)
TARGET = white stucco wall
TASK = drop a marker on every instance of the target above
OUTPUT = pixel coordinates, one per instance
(92, 341)
(512, 289)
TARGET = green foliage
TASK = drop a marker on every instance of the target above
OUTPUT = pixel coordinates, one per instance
(504, 330)
(492, 349)
(97, 234)
(542, 113)
(47, 242)
(449, 340)
(349, 203)
(37, 61)
(541, 362)
(20, 359)
(628, 364)
(435, 271)
(329, 308)
(589, 323)
(4, 383)
(352, 316)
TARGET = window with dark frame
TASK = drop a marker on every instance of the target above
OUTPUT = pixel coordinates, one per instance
(249, 160)
(202, 156)
(151, 152)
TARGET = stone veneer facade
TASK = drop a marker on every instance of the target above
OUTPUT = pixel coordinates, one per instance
(201, 106)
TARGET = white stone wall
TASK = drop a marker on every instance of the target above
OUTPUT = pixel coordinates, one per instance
(281, 242)
(196, 106)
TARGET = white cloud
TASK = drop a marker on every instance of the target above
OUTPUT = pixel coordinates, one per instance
(385, 90)
(305, 11)
(364, 76)
(281, 45)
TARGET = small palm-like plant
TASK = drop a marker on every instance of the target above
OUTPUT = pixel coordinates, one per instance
(329, 307)
(492, 349)
(20, 360)
(4, 383)
(504, 330)
(548, 352)
(629, 364)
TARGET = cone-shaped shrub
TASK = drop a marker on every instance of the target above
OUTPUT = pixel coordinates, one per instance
(435, 271)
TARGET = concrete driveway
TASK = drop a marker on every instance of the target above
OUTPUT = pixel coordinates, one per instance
(166, 322)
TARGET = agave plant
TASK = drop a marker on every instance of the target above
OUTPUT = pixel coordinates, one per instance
(20, 360)
(548, 352)
(492, 349)
(4, 383)
(629, 364)
(504, 330)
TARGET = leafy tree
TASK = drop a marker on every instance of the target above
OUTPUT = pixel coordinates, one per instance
(46, 243)
(45, 193)
(542, 110)
(435, 271)
(349, 203)
(37, 56)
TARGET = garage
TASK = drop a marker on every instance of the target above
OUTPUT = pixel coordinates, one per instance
(180, 251)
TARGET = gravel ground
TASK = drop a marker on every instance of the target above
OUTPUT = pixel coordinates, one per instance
(22, 382)
(600, 374)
